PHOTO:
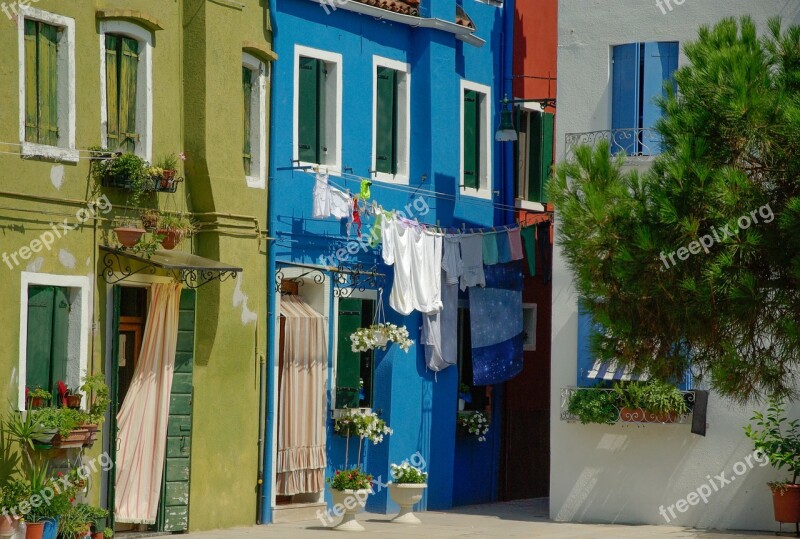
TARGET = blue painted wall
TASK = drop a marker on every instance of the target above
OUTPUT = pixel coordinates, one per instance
(420, 407)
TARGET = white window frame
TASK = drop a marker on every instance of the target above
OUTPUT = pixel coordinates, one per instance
(403, 120)
(144, 84)
(485, 179)
(82, 285)
(66, 149)
(333, 107)
(522, 180)
(258, 121)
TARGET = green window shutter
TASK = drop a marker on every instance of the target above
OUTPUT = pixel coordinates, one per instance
(31, 85)
(308, 114)
(112, 89)
(247, 88)
(471, 140)
(48, 84)
(541, 154)
(548, 125)
(39, 338)
(348, 363)
(60, 339)
(386, 121)
(129, 69)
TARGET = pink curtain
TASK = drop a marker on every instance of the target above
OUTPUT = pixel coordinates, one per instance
(142, 419)
(302, 400)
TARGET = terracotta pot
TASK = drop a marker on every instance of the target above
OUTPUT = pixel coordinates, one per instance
(74, 401)
(128, 236)
(638, 415)
(34, 530)
(92, 434)
(171, 238)
(98, 535)
(349, 502)
(8, 524)
(36, 402)
(406, 495)
(76, 438)
(786, 502)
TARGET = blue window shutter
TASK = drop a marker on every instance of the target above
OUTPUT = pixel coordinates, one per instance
(625, 96)
(660, 63)
(586, 328)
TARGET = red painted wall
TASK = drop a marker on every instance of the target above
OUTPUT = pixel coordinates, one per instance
(535, 48)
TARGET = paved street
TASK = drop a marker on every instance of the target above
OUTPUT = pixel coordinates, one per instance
(506, 520)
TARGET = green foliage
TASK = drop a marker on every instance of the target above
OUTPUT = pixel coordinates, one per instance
(95, 385)
(653, 396)
(473, 423)
(14, 493)
(168, 162)
(64, 420)
(180, 223)
(23, 428)
(39, 393)
(405, 473)
(777, 438)
(593, 406)
(353, 479)
(731, 136)
(147, 245)
(128, 169)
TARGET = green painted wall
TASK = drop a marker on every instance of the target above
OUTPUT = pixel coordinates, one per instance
(196, 109)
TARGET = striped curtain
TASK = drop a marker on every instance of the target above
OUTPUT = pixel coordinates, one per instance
(302, 400)
(142, 419)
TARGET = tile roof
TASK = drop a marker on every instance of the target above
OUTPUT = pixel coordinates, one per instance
(406, 7)
(463, 19)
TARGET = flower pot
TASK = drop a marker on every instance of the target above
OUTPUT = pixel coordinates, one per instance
(786, 503)
(167, 178)
(638, 415)
(406, 495)
(35, 402)
(50, 528)
(34, 530)
(74, 401)
(98, 535)
(128, 236)
(349, 502)
(76, 438)
(8, 525)
(171, 238)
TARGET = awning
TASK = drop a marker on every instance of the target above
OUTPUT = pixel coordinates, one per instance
(611, 371)
(192, 270)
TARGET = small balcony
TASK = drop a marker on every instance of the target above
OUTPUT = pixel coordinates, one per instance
(640, 146)
(606, 408)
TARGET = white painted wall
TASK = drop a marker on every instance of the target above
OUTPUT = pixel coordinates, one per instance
(625, 473)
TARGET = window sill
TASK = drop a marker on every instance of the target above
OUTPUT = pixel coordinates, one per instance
(485, 194)
(332, 169)
(528, 205)
(399, 179)
(255, 182)
(49, 153)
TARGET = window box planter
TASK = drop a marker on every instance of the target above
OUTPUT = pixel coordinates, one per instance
(76, 438)
(166, 183)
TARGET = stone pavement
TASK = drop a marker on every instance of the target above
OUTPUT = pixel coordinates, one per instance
(522, 519)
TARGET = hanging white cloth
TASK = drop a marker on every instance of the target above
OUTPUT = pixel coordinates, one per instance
(329, 201)
(440, 330)
(417, 258)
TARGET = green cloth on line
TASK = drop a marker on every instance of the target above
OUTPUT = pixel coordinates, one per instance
(490, 254)
(529, 240)
(365, 193)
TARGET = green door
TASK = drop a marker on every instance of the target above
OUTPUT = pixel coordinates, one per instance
(173, 506)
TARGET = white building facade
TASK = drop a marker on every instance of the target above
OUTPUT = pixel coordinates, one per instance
(633, 473)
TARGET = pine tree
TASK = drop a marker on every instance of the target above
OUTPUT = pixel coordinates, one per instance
(729, 308)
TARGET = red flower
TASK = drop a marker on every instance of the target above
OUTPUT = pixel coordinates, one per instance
(59, 474)
(71, 500)
(338, 472)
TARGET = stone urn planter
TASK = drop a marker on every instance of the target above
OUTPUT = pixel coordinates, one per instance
(349, 502)
(406, 495)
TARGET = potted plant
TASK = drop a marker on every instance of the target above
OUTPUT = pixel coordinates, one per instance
(107, 533)
(67, 422)
(174, 228)
(464, 396)
(473, 423)
(126, 171)
(406, 490)
(11, 496)
(95, 386)
(169, 166)
(149, 218)
(592, 405)
(128, 232)
(71, 398)
(778, 438)
(651, 402)
(37, 397)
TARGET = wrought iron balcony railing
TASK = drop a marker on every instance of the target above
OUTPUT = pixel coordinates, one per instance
(611, 411)
(639, 145)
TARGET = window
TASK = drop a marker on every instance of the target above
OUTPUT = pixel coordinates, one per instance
(535, 150)
(391, 113)
(639, 73)
(479, 397)
(54, 320)
(47, 85)
(353, 369)
(254, 125)
(475, 140)
(529, 326)
(126, 88)
(318, 112)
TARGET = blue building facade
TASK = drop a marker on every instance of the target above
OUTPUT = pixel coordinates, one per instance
(427, 145)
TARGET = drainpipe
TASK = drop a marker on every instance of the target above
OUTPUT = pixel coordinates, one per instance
(268, 368)
(509, 10)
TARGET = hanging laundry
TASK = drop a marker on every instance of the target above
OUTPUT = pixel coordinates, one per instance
(365, 185)
(340, 203)
(545, 248)
(472, 260)
(515, 244)
(451, 259)
(356, 216)
(417, 259)
(529, 239)
(503, 248)
(375, 233)
(489, 249)
(497, 348)
(321, 198)
(440, 330)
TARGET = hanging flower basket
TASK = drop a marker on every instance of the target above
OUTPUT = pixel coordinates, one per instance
(379, 336)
